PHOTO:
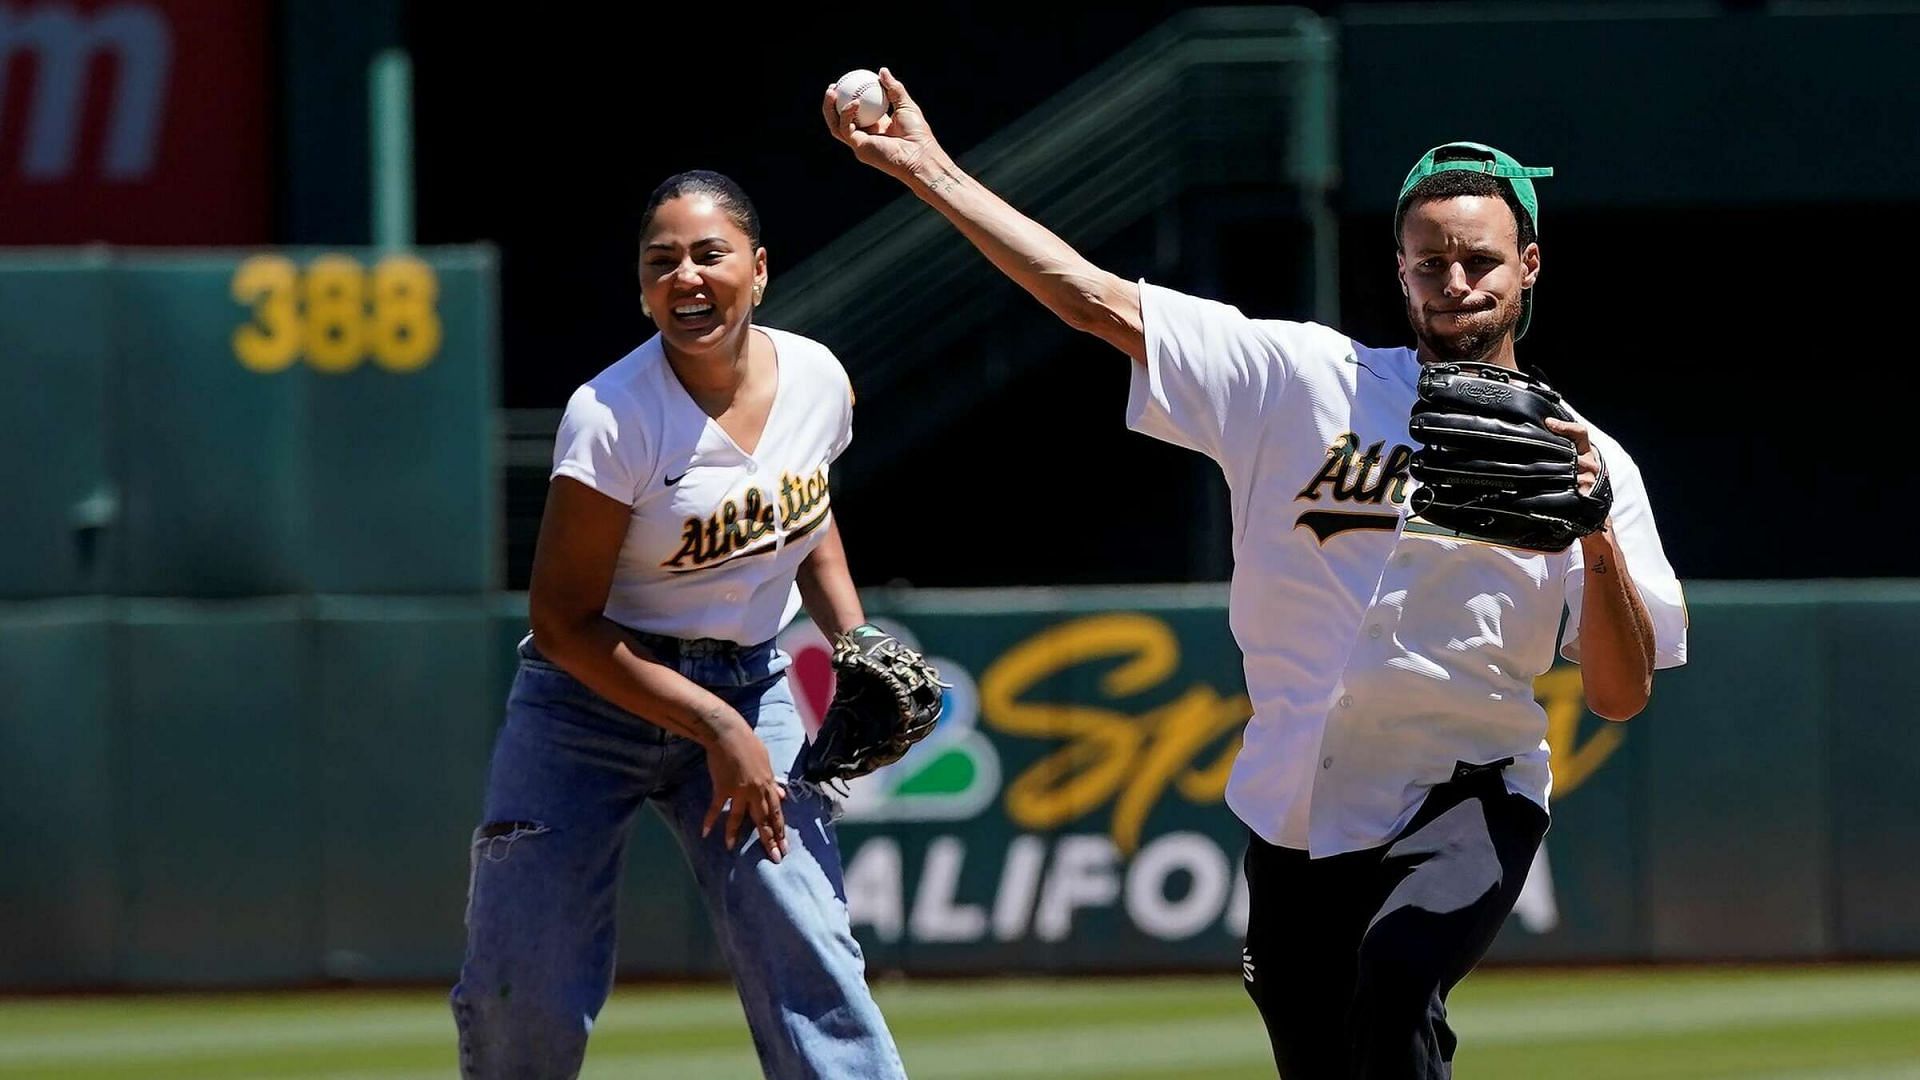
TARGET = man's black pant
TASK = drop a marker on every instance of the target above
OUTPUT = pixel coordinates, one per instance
(1349, 958)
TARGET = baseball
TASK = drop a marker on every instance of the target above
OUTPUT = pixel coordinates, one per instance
(864, 86)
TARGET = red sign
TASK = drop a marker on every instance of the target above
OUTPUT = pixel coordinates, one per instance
(134, 122)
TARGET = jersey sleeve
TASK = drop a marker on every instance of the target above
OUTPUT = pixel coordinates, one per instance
(591, 446)
(843, 435)
(1653, 575)
(1208, 372)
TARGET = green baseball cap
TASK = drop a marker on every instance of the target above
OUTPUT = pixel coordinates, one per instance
(1481, 158)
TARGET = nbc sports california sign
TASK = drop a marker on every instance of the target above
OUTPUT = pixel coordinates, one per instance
(1067, 810)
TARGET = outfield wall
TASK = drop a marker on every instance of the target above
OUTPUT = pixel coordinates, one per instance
(278, 790)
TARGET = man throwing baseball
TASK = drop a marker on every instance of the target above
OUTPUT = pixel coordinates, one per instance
(1408, 524)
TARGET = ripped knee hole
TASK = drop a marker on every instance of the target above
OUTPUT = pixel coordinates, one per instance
(493, 841)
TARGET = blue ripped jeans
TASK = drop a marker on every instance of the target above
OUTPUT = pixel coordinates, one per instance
(570, 770)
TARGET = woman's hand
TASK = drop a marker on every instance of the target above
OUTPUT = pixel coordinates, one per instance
(743, 775)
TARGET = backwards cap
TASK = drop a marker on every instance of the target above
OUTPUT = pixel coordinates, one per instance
(1481, 158)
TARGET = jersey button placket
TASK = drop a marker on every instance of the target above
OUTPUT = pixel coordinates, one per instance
(1346, 702)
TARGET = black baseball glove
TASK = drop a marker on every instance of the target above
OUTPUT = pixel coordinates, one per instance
(1490, 469)
(886, 698)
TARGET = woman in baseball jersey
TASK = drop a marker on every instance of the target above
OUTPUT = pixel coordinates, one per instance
(1394, 776)
(687, 521)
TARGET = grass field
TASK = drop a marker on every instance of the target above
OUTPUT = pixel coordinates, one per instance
(1756, 1024)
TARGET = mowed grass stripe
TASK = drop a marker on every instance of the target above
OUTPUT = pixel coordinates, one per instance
(1648, 1006)
(1792, 1024)
(1864, 1072)
(1883, 1047)
(148, 1028)
(1167, 1047)
(1508, 986)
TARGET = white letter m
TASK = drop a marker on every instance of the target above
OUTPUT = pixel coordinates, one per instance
(65, 41)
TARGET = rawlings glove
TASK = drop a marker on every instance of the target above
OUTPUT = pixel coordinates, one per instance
(886, 698)
(1489, 469)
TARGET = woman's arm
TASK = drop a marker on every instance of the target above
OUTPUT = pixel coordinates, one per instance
(581, 533)
(826, 586)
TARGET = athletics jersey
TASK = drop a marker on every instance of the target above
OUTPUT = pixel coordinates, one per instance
(1379, 650)
(717, 535)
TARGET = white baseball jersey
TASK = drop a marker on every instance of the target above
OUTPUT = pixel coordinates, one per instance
(1380, 651)
(717, 534)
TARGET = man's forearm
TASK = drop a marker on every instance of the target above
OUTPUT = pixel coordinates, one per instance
(1616, 633)
(1080, 293)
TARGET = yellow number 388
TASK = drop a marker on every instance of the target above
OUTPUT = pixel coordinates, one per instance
(337, 314)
